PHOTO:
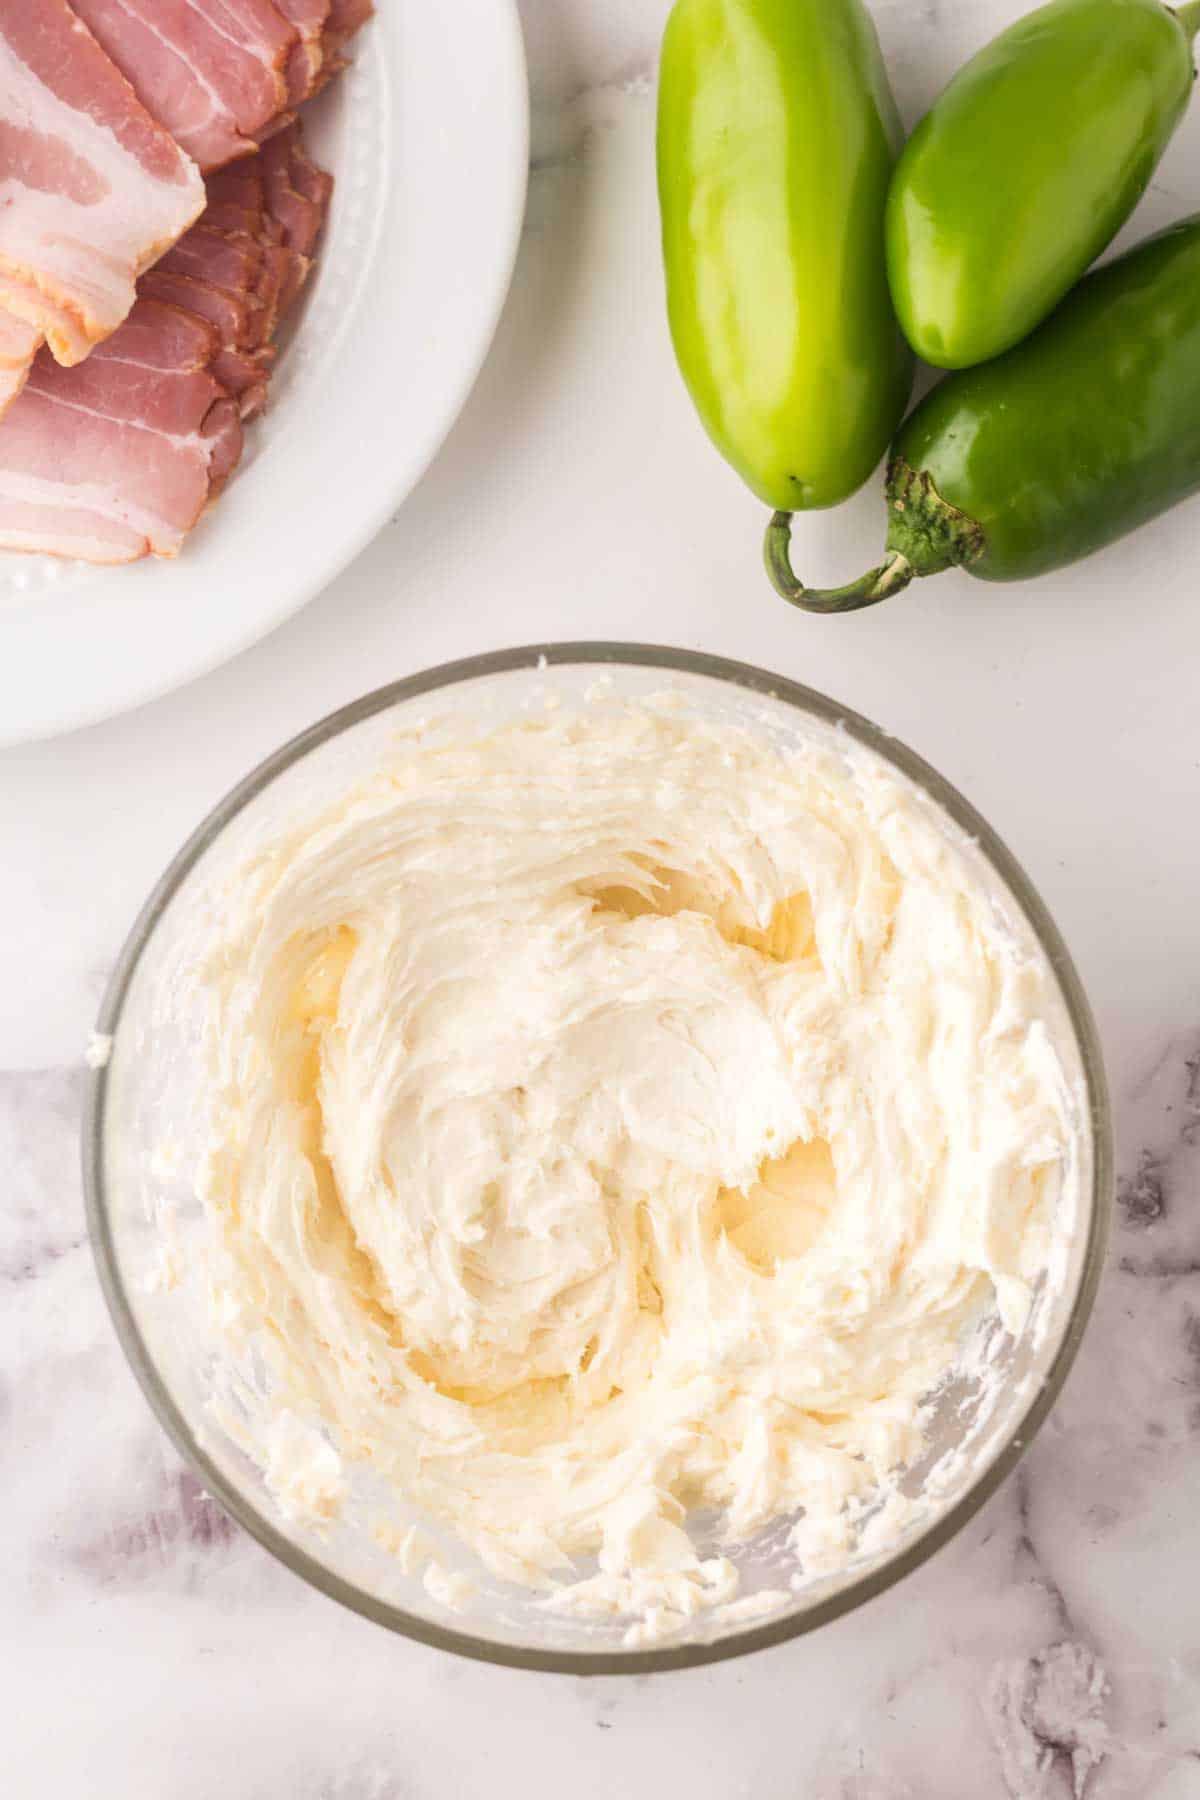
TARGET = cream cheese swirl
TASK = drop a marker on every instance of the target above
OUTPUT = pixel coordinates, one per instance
(619, 1118)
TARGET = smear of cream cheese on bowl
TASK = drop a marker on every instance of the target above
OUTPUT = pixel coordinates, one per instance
(619, 1130)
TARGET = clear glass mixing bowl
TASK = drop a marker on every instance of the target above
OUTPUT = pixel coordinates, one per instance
(148, 1094)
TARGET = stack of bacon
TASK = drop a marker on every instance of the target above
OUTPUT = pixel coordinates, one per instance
(139, 302)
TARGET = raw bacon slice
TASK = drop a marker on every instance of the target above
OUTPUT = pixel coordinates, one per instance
(309, 17)
(297, 192)
(120, 456)
(19, 342)
(92, 190)
(282, 183)
(117, 457)
(345, 18)
(230, 260)
(272, 206)
(242, 265)
(217, 73)
(243, 363)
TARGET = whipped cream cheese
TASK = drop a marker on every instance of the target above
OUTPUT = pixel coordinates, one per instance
(617, 1118)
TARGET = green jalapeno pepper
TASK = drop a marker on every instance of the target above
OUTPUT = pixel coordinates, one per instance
(776, 140)
(1027, 166)
(1080, 434)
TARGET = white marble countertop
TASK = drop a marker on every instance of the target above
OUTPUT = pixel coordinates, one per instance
(147, 1649)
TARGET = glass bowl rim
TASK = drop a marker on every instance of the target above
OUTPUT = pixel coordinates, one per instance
(535, 658)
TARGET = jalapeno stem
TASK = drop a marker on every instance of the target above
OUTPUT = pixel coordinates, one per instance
(1189, 17)
(875, 585)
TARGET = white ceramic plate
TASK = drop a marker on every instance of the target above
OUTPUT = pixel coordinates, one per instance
(427, 134)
